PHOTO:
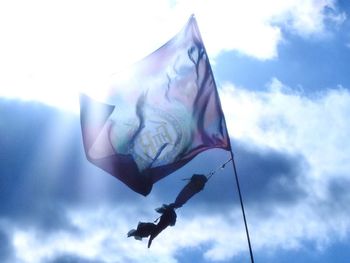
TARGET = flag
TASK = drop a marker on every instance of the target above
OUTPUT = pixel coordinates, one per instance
(160, 113)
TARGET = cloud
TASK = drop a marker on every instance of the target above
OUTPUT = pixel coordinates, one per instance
(291, 150)
(6, 249)
(309, 18)
(59, 207)
(41, 150)
(269, 176)
(72, 259)
(78, 212)
(256, 28)
(287, 120)
(22, 137)
(315, 128)
(78, 45)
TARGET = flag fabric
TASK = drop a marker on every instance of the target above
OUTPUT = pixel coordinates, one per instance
(160, 113)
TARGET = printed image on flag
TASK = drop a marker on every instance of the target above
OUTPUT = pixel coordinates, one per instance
(159, 114)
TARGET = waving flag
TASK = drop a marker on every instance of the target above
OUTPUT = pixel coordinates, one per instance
(160, 114)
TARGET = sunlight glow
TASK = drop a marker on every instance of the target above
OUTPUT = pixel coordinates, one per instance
(52, 51)
(49, 54)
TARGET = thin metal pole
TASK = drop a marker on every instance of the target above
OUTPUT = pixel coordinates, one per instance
(242, 207)
(233, 160)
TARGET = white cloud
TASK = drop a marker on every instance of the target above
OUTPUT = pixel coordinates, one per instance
(254, 27)
(283, 119)
(50, 51)
(308, 17)
(101, 235)
(316, 128)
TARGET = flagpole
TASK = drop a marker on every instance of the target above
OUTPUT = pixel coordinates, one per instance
(242, 206)
(233, 160)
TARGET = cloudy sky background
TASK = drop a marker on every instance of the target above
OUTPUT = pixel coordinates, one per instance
(281, 70)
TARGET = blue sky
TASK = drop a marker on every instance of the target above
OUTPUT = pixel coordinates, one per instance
(282, 74)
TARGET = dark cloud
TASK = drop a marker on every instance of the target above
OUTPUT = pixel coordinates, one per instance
(266, 177)
(6, 249)
(69, 258)
(338, 201)
(39, 180)
(43, 168)
(338, 188)
(23, 186)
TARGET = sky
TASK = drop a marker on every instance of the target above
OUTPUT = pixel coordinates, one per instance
(281, 72)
